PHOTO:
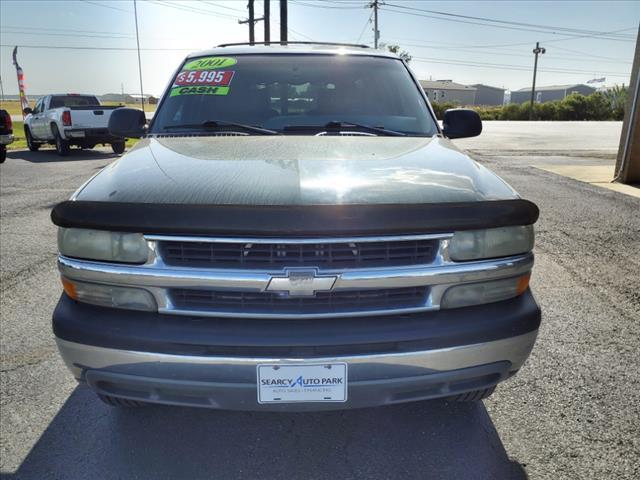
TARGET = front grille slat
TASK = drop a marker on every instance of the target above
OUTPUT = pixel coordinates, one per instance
(275, 303)
(281, 255)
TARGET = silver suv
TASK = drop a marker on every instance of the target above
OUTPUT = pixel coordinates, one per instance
(294, 231)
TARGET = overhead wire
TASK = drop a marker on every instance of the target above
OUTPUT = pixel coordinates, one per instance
(188, 8)
(523, 68)
(106, 6)
(366, 24)
(333, 7)
(507, 22)
(601, 35)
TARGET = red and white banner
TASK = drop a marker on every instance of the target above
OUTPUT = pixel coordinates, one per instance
(24, 102)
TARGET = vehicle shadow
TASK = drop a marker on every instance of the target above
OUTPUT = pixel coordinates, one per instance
(49, 155)
(434, 440)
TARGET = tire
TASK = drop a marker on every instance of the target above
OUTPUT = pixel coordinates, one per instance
(33, 146)
(120, 402)
(118, 147)
(3, 153)
(473, 396)
(62, 146)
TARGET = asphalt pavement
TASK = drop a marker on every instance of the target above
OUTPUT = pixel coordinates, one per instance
(572, 412)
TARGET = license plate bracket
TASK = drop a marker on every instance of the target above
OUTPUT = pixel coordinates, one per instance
(302, 383)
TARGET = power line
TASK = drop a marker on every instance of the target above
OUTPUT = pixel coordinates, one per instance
(187, 8)
(54, 34)
(366, 24)
(522, 68)
(72, 47)
(506, 22)
(590, 55)
(65, 30)
(106, 6)
(519, 44)
(298, 33)
(57, 32)
(576, 58)
(217, 4)
(601, 35)
(304, 4)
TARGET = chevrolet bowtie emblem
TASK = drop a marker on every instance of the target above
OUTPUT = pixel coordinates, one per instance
(301, 283)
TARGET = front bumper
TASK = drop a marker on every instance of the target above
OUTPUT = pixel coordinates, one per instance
(230, 383)
(212, 362)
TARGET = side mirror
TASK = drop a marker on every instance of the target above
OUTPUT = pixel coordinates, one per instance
(461, 123)
(27, 111)
(128, 123)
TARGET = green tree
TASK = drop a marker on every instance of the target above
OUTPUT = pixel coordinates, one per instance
(403, 54)
(617, 97)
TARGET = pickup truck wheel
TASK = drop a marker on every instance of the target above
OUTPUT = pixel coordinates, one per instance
(120, 402)
(3, 153)
(30, 143)
(117, 147)
(474, 396)
(62, 146)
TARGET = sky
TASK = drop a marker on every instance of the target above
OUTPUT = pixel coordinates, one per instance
(444, 42)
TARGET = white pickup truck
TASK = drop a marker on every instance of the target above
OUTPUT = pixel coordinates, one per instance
(70, 119)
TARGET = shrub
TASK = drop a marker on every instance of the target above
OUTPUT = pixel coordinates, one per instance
(597, 106)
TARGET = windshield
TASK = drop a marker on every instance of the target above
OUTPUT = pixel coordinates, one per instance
(58, 101)
(282, 92)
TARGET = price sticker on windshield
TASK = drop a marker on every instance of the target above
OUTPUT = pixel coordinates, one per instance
(212, 78)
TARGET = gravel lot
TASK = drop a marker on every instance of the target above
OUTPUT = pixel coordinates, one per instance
(572, 412)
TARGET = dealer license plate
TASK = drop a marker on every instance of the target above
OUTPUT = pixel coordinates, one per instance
(325, 382)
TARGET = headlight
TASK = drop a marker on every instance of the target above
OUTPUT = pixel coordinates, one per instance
(103, 245)
(484, 292)
(491, 243)
(110, 296)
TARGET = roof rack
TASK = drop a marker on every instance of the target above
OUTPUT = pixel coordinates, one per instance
(333, 44)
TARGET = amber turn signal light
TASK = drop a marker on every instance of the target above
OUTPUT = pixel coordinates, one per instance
(69, 288)
(523, 284)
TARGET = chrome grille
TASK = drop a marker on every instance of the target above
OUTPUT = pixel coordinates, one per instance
(242, 302)
(246, 255)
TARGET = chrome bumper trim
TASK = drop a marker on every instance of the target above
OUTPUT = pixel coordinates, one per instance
(173, 277)
(158, 278)
(79, 357)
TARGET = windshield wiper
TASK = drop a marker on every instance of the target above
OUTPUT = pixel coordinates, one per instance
(335, 126)
(222, 125)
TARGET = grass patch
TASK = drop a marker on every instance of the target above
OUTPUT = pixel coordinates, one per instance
(20, 143)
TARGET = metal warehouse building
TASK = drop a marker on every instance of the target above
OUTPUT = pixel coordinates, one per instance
(441, 91)
(553, 92)
(487, 95)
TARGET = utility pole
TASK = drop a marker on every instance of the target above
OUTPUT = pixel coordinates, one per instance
(375, 4)
(251, 21)
(628, 161)
(135, 14)
(267, 22)
(284, 21)
(536, 51)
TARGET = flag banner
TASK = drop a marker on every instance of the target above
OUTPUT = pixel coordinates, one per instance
(24, 102)
(597, 80)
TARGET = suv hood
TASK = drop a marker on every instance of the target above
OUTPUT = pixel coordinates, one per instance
(294, 170)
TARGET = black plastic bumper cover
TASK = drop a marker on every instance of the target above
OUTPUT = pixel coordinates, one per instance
(184, 335)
